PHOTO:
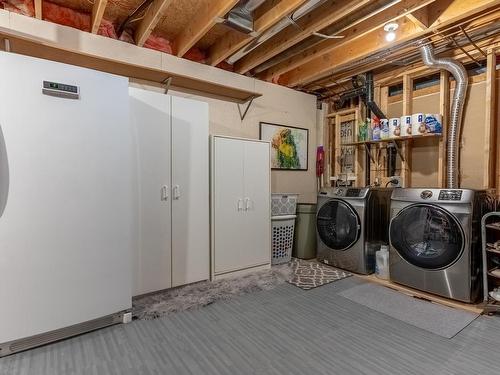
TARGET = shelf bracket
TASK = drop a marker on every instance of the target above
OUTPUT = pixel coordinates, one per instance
(399, 151)
(6, 45)
(249, 104)
(369, 153)
(167, 82)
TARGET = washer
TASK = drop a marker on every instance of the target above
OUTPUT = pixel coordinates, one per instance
(351, 224)
(435, 243)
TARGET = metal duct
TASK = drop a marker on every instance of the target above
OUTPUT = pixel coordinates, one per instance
(280, 25)
(460, 74)
(241, 16)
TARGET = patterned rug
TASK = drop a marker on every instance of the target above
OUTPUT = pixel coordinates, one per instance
(311, 274)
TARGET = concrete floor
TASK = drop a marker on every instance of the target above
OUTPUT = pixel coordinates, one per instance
(282, 331)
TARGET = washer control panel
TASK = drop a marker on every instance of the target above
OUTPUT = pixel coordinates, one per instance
(450, 195)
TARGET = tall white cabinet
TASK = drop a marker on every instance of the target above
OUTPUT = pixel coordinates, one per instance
(172, 150)
(241, 193)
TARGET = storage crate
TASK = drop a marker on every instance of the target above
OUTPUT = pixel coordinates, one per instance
(283, 228)
(283, 204)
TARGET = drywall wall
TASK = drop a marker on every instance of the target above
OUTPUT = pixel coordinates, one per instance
(425, 151)
(277, 105)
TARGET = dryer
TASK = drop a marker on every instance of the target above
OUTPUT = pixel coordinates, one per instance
(435, 243)
(351, 223)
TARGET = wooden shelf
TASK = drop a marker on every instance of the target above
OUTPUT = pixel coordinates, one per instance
(493, 275)
(46, 40)
(492, 226)
(493, 250)
(389, 140)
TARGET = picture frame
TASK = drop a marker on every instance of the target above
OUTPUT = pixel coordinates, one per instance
(289, 146)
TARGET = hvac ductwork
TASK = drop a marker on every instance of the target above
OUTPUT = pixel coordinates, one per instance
(460, 74)
(241, 16)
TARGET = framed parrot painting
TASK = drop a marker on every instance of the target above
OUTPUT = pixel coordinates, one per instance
(289, 146)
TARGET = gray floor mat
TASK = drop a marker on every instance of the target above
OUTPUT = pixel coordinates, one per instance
(440, 320)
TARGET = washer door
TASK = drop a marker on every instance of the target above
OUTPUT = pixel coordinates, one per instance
(427, 236)
(338, 225)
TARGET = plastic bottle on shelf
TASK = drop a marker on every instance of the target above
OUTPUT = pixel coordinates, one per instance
(382, 263)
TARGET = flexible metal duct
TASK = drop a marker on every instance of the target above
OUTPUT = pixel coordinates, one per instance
(460, 74)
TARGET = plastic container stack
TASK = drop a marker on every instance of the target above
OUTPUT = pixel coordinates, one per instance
(283, 211)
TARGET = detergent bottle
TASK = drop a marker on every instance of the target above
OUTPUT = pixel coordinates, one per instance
(382, 263)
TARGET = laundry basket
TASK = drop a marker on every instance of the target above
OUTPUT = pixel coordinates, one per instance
(283, 228)
(283, 204)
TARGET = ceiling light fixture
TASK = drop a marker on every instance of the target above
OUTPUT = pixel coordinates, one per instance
(390, 29)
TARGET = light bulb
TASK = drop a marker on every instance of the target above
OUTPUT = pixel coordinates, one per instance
(390, 36)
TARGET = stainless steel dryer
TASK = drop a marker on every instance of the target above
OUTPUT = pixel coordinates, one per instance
(435, 240)
(351, 224)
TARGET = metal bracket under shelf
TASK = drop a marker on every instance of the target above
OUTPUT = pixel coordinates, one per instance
(398, 150)
(249, 104)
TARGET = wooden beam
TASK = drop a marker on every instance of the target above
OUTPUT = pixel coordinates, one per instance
(97, 13)
(38, 9)
(266, 16)
(420, 17)
(444, 109)
(355, 31)
(206, 17)
(490, 121)
(150, 20)
(375, 42)
(317, 19)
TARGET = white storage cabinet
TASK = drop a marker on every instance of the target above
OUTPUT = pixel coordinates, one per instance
(172, 146)
(241, 210)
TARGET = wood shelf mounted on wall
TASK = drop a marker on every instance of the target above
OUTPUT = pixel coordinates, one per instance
(389, 140)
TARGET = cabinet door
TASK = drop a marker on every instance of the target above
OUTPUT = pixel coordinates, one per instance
(190, 192)
(227, 171)
(257, 197)
(150, 114)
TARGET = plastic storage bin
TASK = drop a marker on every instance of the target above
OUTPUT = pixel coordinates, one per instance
(283, 204)
(283, 228)
(304, 246)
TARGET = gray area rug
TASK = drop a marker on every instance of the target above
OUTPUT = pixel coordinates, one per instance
(440, 320)
(301, 273)
(311, 274)
(197, 295)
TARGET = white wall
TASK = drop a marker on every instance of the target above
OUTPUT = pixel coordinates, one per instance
(278, 105)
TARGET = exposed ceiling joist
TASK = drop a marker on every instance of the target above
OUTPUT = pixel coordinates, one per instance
(357, 30)
(316, 20)
(38, 9)
(420, 17)
(150, 20)
(97, 13)
(374, 42)
(206, 18)
(266, 16)
(390, 76)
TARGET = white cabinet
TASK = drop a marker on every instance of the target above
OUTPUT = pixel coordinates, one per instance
(172, 150)
(241, 222)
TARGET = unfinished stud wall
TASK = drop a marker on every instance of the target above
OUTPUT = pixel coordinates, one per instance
(425, 152)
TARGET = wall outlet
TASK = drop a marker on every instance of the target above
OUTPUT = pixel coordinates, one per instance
(127, 317)
(398, 178)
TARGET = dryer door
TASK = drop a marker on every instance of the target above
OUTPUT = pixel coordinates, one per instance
(338, 225)
(427, 236)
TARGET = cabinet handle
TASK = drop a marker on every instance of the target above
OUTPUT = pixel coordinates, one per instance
(164, 193)
(240, 204)
(247, 204)
(177, 192)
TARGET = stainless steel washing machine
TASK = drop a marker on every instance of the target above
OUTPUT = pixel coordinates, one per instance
(351, 224)
(435, 243)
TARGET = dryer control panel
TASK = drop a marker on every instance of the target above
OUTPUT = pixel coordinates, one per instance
(450, 195)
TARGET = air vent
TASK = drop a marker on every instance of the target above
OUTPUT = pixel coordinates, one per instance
(59, 334)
